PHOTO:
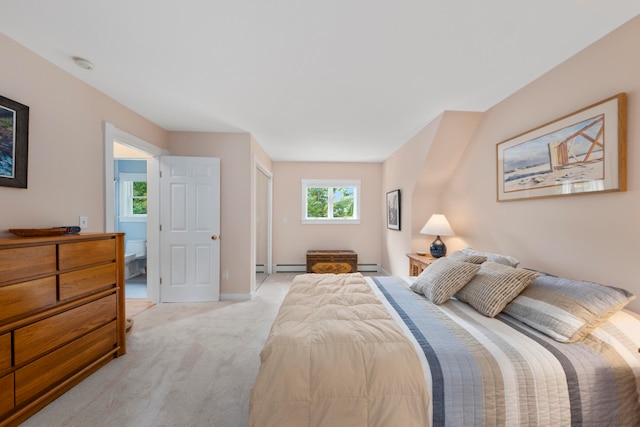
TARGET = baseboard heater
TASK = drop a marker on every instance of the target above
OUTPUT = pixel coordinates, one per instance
(284, 268)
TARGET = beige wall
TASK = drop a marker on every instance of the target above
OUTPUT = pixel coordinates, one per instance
(66, 158)
(260, 155)
(402, 171)
(66, 154)
(236, 236)
(291, 238)
(593, 237)
(590, 236)
(420, 169)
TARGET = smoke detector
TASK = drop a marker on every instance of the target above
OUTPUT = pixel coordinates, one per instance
(83, 63)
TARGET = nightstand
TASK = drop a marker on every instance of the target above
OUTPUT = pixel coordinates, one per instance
(417, 263)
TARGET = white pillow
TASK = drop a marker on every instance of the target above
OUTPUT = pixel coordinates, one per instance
(500, 259)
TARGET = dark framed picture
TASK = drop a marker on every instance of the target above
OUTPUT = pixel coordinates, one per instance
(581, 153)
(14, 143)
(393, 210)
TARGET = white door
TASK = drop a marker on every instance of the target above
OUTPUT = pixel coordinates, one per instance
(189, 229)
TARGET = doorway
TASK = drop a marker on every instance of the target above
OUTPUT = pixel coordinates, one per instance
(262, 225)
(131, 218)
(119, 144)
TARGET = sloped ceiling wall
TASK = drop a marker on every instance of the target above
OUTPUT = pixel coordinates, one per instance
(421, 169)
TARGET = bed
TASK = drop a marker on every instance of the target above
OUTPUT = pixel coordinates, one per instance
(349, 350)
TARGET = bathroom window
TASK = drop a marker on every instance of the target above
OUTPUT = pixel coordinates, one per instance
(133, 197)
(328, 201)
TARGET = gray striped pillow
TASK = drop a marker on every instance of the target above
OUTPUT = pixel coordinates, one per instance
(461, 256)
(495, 286)
(567, 310)
(443, 278)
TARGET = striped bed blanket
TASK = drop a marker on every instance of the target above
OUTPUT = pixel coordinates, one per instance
(499, 372)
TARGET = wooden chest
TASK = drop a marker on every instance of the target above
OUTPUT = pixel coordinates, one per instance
(332, 261)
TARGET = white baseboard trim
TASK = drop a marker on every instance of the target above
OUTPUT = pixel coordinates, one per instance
(235, 297)
(286, 268)
(369, 267)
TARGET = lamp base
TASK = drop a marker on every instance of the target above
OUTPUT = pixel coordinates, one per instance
(438, 248)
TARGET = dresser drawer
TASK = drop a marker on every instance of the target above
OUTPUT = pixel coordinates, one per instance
(22, 298)
(6, 393)
(61, 316)
(5, 353)
(59, 365)
(18, 263)
(43, 336)
(79, 254)
(86, 281)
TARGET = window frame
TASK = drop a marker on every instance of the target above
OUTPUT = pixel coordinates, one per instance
(125, 186)
(331, 183)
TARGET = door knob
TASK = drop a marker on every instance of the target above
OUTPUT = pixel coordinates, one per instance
(214, 237)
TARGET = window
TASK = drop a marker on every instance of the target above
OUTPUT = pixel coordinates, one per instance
(330, 201)
(133, 197)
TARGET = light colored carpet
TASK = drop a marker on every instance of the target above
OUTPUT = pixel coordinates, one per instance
(186, 365)
(133, 307)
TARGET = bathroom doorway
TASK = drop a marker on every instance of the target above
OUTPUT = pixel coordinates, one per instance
(120, 145)
(131, 218)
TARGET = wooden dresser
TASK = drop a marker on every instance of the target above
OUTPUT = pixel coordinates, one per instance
(61, 316)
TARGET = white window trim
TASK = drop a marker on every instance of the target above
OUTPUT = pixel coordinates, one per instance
(331, 183)
(125, 202)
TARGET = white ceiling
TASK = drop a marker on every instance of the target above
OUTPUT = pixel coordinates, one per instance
(323, 80)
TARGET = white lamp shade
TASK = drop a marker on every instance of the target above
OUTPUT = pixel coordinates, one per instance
(437, 226)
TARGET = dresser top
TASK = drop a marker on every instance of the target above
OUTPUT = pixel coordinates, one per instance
(10, 240)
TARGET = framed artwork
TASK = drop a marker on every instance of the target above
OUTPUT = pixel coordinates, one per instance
(14, 143)
(393, 210)
(583, 152)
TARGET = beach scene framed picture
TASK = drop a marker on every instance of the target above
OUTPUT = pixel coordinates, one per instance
(14, 143)
(581, 153)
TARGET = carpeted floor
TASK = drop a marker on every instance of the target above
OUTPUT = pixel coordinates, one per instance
(135, 306)
(186, 365)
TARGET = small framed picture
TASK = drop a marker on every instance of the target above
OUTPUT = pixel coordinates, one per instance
(393, 210)
(14, 142)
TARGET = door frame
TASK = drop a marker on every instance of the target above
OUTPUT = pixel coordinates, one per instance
(111, 135)
(257, 166)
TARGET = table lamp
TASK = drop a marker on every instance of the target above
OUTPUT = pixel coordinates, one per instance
(437, 226)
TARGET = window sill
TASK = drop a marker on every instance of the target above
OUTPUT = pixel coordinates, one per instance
(331, 221)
